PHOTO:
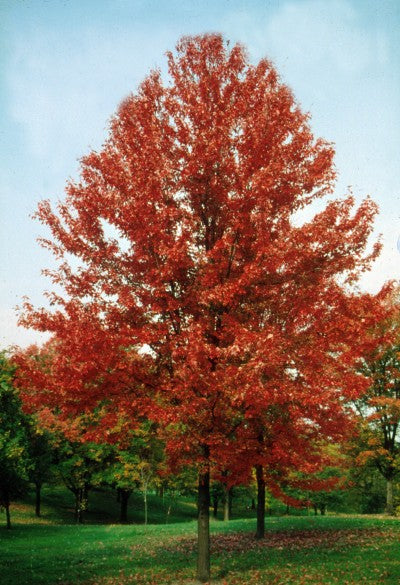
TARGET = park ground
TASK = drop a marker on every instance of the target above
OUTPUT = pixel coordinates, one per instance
(297, 550)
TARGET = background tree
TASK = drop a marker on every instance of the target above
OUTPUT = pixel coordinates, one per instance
(41, 454)
(366, 493)
(138, 460)
(14, 449)
(123, 475)
(379, 407)
(151, 453)
(198, 297)
(324, 490)
(176, 485)
(81, 466)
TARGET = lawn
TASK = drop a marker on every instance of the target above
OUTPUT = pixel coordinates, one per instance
(329, 550)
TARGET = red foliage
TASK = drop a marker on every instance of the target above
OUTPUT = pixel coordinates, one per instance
(198, 299)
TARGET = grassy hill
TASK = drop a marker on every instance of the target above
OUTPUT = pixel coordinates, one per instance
(329, 550)
(58, 508)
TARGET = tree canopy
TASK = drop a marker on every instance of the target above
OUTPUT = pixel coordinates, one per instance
(194, 295)
(14, 451)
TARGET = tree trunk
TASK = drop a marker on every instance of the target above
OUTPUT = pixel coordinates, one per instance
(226, 504)
(145, 505)
(168, 513)
(123, 499)
(77, 506)
(230, 501)
(8, 517)
(38, 489)
(83, 503)
(323, 509)
(81, 496)
(389, 497)
(215, 506)
(203, 528)
(260, 502)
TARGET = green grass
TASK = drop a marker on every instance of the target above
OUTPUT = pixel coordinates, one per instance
(330, 550)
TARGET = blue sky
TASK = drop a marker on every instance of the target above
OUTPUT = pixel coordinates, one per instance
(66, 64)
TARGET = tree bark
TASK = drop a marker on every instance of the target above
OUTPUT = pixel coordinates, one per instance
(226, 509)
(81, 496)
(260, 533)
(38, 489)
(203, 527)
(123, 498)
(145, 505)
(215, 506)
(230, 501)
(389, 497)
(78, 508)
(226, 504)
(8, 517)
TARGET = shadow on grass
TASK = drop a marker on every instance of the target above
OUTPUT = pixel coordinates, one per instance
(58, 508)
(112, 554)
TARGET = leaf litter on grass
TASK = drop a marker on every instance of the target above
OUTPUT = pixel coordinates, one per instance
(244, 542)
(286, 540)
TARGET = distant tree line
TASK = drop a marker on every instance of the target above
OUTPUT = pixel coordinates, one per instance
(35, 450)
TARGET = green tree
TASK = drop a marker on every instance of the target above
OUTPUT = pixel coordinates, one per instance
(379, 407)
(331, 497)
(367, 493)
(174, 485)
(41, 453)
(123, 475)
(81, 466)
(14, 452)
(138, 460)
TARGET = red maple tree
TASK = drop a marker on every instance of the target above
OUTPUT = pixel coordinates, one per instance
(190, 258)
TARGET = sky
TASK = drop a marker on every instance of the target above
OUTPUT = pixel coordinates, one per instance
(65, 65)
